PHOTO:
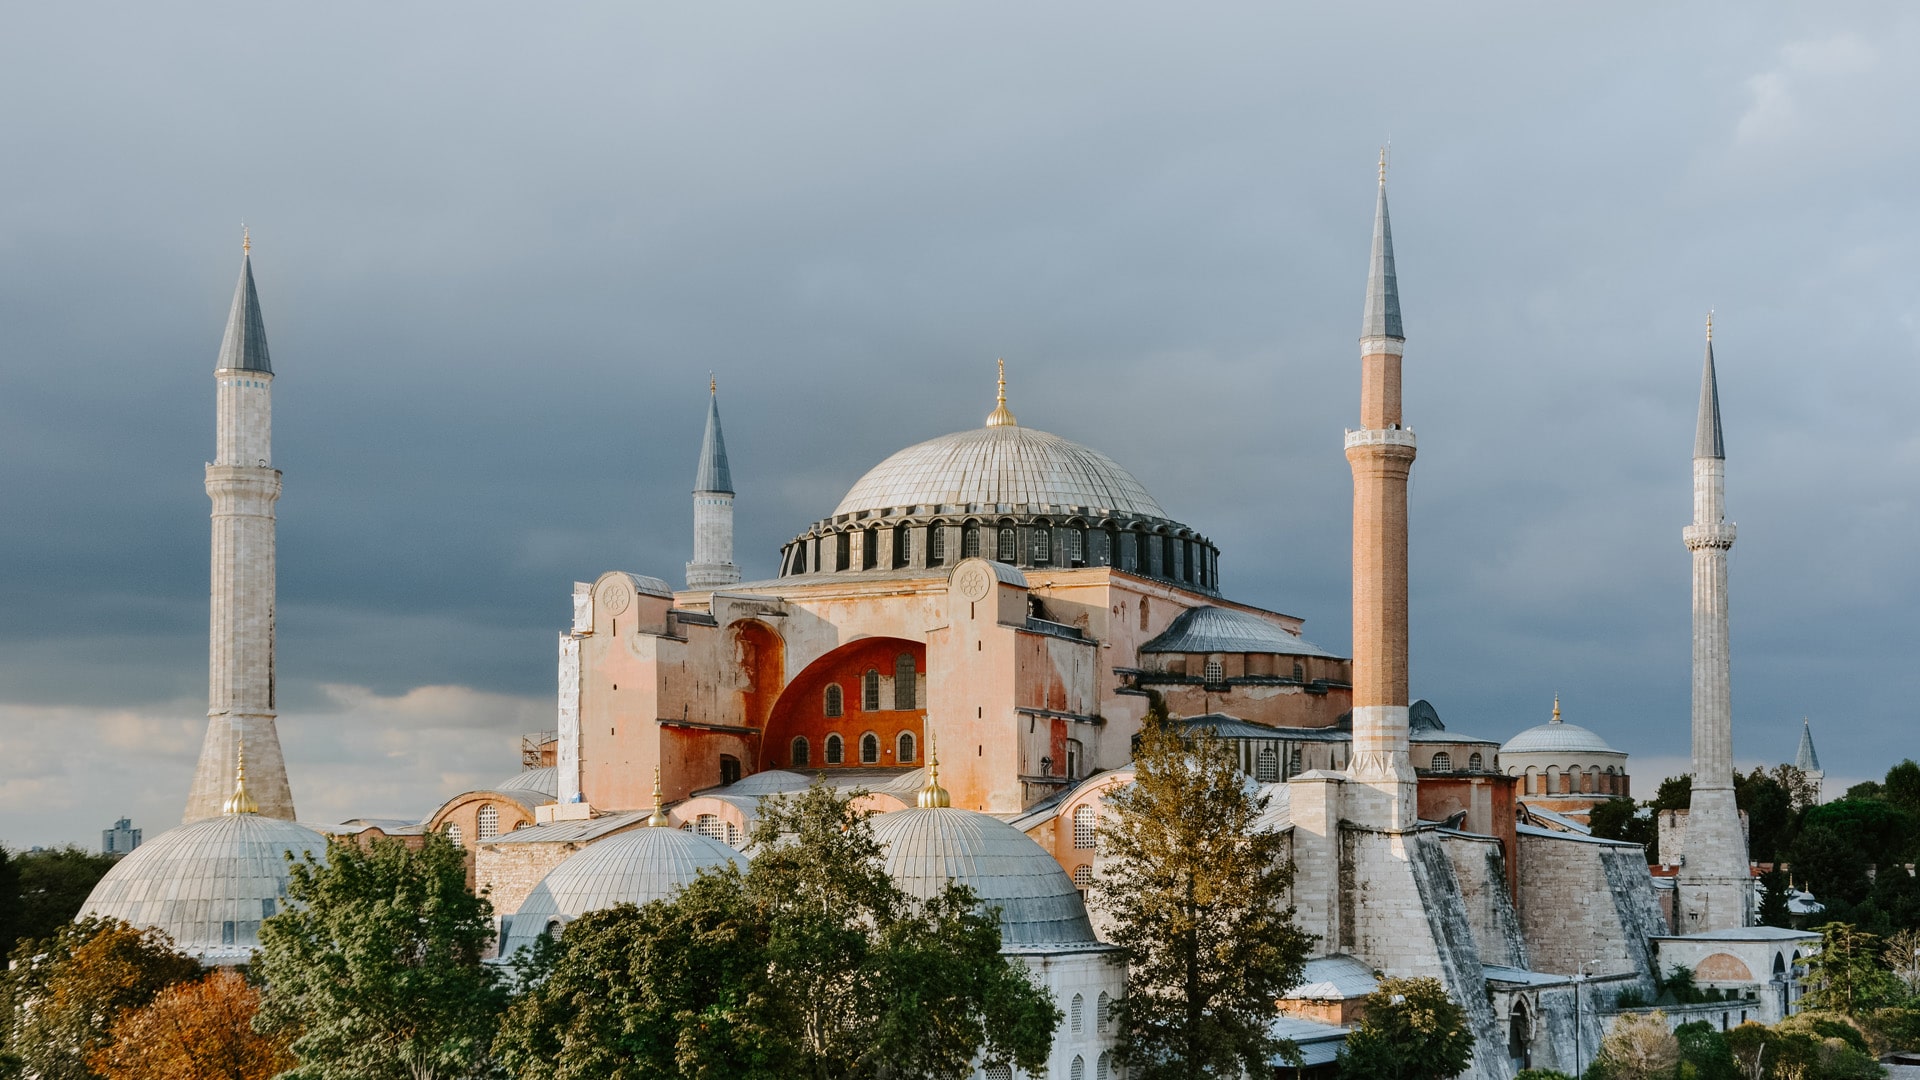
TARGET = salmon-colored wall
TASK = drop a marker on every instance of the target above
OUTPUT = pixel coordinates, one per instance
(1488, 800)
(801, 708)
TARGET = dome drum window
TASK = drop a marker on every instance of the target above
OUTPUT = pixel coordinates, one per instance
(487, 823)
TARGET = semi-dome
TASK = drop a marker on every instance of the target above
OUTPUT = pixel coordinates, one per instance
(635, 867)
(1022, 469)
(929, 846)
(542, 781)
(208, 884)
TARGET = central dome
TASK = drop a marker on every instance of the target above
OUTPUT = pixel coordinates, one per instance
(1003, 465)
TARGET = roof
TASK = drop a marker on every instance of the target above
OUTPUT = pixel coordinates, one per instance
(208, 884)
(1334, 978)
(545, 781)
(244, 346)
(1521, 976)
(1001, 466)
(1572, 838)
(1556, 736)
(712, 474)
(1557, 820)
(1734, 933)
(635, 867)
(769, 782)
(1210, 629)
(1806, 759)
(1232, 727)
(1318, 1043)
(1382, 315)
(927, 847)
(1708, 442)
(579, 830)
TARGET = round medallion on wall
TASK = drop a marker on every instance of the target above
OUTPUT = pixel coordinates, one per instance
(616, 596)
(974, 583)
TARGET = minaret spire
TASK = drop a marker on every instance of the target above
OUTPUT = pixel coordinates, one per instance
(1381, 453)
(243, 486)
(1714, 891)
(1807, 759)
(1001, 416)
(712, 566)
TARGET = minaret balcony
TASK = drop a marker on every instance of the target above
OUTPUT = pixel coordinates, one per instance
(1708, 536)
(1397, 436)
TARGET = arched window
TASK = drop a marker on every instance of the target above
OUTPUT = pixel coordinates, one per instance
(900, 540)
(870, 691)
(1293, 763)
(1216, 672)
(836, 703)
(1074, 1013)
(870, 549)
(1519, 1035)
(842, 547)
(453, 831)
(1266, 766)
(1083, 877)
(1476, 762)
(906, 749)
(1086, 824)
(487, 823)
(1009, 550)
(903, 690)
(1102, 1011)
(970, 543)
(1443, 762)
(801, 754)
(836, 752)
(711, 827)
(733, 835)
(1078, 1070)
(1042, 545)
(869, 749)
(1299, 671)
(1076, 546)
(936, 544)
(1102, 1066)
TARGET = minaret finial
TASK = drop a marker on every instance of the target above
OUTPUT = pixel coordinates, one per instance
(1383, 165)
(1001, 416)
(658, 819)
(240, 802)
(933, 795)
(713, 385)
(1709, 324)
(1556, 708)
(246, 239)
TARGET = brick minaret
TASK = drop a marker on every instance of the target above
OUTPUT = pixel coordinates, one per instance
(1714, 884)
(1381, 453)
(712, 566)
(243, 485)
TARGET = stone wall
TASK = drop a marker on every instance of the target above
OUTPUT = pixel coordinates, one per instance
(1586, 903)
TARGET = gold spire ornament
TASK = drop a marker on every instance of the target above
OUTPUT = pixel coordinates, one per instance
(1000, 416)
(933, 795)
(1556, 708)
(240, 802)
(658, 819)
(1709, 324)
(246, 239)
(713, 385)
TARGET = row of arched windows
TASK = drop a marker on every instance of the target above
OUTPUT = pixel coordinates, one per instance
(1443, 762)
(1145, 549)
(1102, 1011)
(1575, 781)
(800, 752)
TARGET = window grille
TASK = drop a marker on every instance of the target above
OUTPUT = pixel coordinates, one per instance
(906, 747)
(453, 831)
(1476, 762)
(733, 835)
(1086, 822)
(487, 823)
(1074, 1013)
(903, 695)
(869, 749)
(1443, 762)
(1076, 546)
(1216, 672)
(937, 544)
(1102, 1011)
(1293, 764)
(836, 700)
(1078, 1070)
(836, 752)
(1042, 545)
(711, 827)
(970, 544)
(1266, 766)
(999, 1072)
(870, 691)
(1101, 1066)
(801, 754)
(1083, 877)
(1009, 550)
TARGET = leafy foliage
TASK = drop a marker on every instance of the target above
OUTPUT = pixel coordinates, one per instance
(1845, 977)
(812, 962)
(42, 891)
(1410, 1030)
(1638, 1047)
(374, 967)
(1704, 1054)
(1623, 819)
(200, 1030)
(1197, 895)
(1774, 884)
(61, 996)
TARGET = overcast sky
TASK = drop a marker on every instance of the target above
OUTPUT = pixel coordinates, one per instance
(500, 247)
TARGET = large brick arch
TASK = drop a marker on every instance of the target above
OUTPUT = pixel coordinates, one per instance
(800, 712)
(1723, 967)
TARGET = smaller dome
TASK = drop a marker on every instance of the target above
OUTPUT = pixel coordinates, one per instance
(1209, 629)
(208, 884)
(634, 867)
(769, 782)
(544, 781)
(928, 847)
(1556, 736)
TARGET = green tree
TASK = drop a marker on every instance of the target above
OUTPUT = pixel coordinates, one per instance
(1623, 819)
(1902, 787)
(1638, 1047)
(1409, 1030)
(1704, 1053)
(62, 995)
(812, 962)
(1197, 894)
(375, 965)
(1768, 805)
(1845, 977)
(1774, 884)
(50, 887)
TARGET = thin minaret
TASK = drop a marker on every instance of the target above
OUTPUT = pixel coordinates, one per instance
(1714, 884)
(712, 566)
(1807, 759)
(244, 486)
(1381, 453)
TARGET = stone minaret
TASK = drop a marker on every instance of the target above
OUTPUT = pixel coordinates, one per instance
(1714, 883)
(1381, 454)
(1807, 759)
(243, 485)
(712, 566)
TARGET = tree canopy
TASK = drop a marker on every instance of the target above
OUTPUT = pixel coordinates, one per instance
(1409, 1030)
(199, 1030)
(1197, 894)
(41, 891)
(61, 995)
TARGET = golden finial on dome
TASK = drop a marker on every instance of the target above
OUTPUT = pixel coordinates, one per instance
(933, 795)
(1000, 416)
(658, 819)
(240, 802)
(1556, 708)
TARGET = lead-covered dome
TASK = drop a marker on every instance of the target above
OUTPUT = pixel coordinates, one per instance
(208, 884)
(1557, 737)
(635, 867)
(1021, 470)
(930, 846)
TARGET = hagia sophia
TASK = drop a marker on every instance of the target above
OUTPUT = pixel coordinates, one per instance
(972, 637)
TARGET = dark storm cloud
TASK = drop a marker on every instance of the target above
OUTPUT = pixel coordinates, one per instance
(499, 250)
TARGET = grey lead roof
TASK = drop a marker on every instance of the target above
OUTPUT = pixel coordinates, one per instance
(1707, 441)
(1005, 466)
(1382, 317)
(1038, 903)
(244, 346)
(1808, 759)
(1210, 629)
(712, 473)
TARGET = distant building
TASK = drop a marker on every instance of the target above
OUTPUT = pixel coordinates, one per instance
(120, 839)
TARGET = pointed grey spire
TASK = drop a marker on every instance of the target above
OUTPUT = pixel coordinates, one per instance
(712, 473)
(1382, 318)
(244, 348)
(1706, 437)
(1807, 760)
